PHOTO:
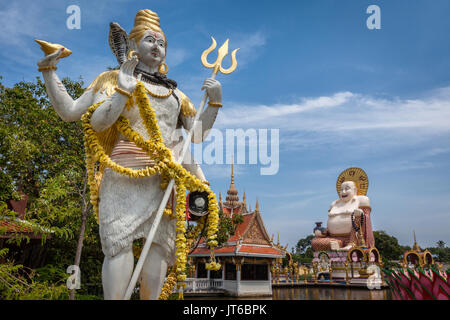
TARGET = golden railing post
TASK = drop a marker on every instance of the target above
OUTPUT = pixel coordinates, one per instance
(315, 271)
(331, 274)
(346, 272)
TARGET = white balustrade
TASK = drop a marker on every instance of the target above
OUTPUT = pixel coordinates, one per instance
(195, 285)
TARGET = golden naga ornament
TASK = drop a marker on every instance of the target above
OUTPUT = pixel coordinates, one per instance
(358, 176)
(50, 48)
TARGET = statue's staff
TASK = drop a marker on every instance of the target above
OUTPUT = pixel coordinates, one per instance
(217, 67)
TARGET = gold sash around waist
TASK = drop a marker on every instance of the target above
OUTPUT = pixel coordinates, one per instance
(340, 235)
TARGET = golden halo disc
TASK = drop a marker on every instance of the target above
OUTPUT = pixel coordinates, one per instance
(358, 176)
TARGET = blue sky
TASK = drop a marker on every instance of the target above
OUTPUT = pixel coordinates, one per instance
(340, 94)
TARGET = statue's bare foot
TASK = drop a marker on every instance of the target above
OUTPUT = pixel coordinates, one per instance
(346, 248)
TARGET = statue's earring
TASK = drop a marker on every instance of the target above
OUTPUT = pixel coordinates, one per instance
(163, 68)
(133, 53)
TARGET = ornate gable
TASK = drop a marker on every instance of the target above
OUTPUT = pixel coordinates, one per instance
(256, 232)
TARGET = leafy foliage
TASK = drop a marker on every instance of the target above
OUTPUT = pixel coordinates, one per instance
(20, 283)
(44, 157)
(441, 251)
(227, 226)
(389, 248)
(303, 250)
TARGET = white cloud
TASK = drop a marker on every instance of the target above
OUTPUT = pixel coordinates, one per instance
(19, 25)
(349, 120)
(347, 111)
(176, 56)
(250, 46)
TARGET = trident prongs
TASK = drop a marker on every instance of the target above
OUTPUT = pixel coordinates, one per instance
(221, 54)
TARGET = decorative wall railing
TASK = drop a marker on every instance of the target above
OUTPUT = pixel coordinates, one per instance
(203, 285)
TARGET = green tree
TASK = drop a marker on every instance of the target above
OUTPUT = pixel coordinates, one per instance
(303, 250)
(44, 157)
(388, 247)
(440, 244)
(441, 251)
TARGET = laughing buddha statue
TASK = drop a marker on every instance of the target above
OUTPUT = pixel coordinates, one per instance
(349, 222)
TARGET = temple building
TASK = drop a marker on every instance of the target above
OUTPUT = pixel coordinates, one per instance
(30, 252)
(246, 257)
(416, 257)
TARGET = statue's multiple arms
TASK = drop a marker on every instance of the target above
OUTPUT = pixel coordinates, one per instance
(67, 108)
(207, 117)
(109, 111)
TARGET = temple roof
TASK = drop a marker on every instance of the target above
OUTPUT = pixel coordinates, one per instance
(14, 227)
(250, 237)
(10, 228)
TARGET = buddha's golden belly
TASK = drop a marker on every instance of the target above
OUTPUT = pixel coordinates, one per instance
(339, 224)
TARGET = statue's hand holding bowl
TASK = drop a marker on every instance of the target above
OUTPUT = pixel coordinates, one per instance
(318, 233)
(51, 60)
(213, 89)
(126, 79)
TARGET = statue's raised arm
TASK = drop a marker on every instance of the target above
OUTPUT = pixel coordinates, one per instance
(67, 108)
(208, 117)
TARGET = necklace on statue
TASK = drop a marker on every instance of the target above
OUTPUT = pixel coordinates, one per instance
(356, 228)
(159, 96)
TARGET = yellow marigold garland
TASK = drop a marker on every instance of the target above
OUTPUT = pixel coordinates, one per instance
(168, 286)
(164, 165)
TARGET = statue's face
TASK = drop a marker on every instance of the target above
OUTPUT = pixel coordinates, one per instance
(348, 190)
(152, 49)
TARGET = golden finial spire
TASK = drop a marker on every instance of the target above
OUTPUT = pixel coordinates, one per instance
(257, 205)
(244, 203)
(232, 199)
(278, 238)
(220, 197)
(232, 173)
(416, 246)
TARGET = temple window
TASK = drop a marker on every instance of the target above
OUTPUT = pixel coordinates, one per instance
(230, 271)
(254, 272)
(215, 274)
(201, 270)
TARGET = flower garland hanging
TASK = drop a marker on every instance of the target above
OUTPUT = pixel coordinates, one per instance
(164, 165)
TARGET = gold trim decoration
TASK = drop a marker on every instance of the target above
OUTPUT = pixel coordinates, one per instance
(46, 68)
(124, 92)
(373, 249)
(187, 108)
(349, 254)
(358, 176)
(159, 96)
(106, 82)
(413, 252)
(132, 53)
(163, 68)
(215, 104)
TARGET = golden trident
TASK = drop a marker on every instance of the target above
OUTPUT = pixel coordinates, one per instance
(222, 53)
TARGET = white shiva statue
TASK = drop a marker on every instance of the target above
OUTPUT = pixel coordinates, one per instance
(127, 206)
